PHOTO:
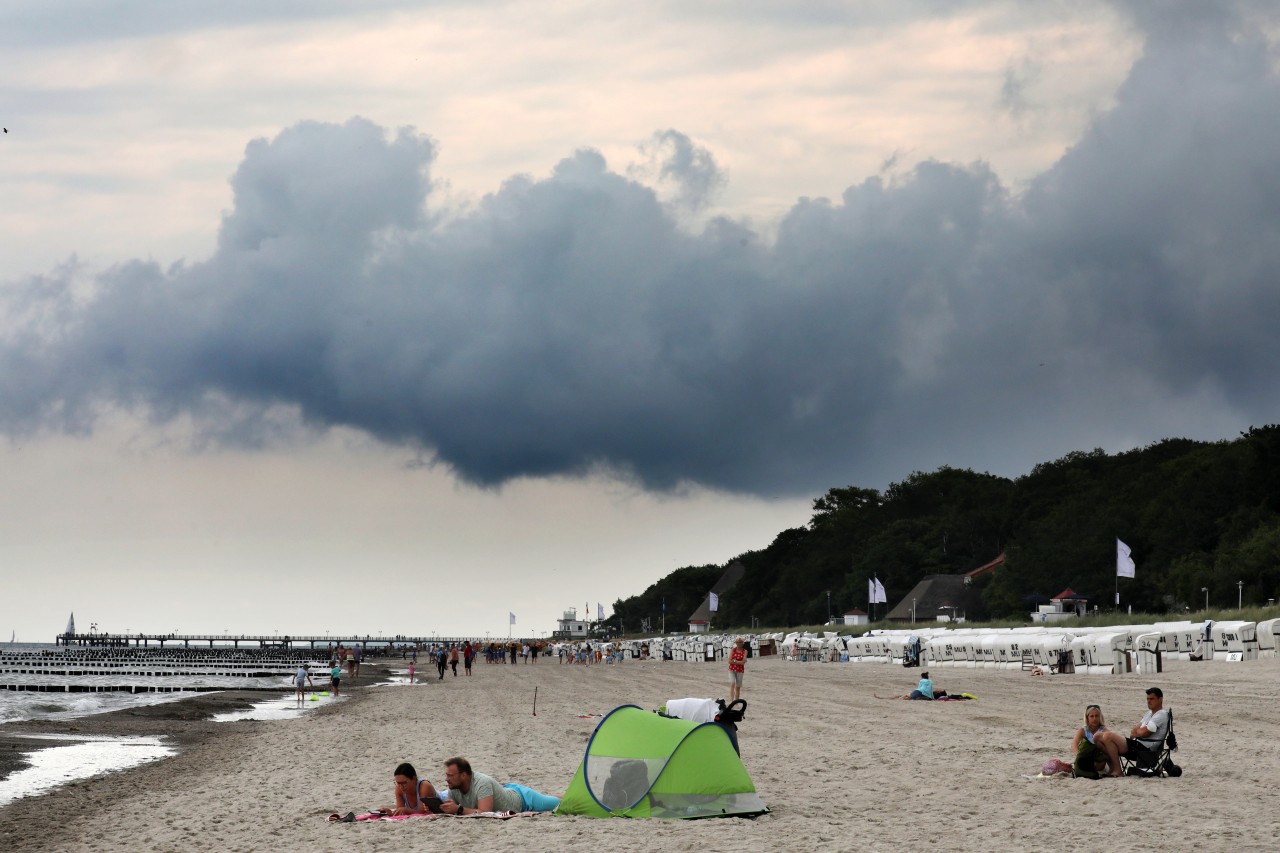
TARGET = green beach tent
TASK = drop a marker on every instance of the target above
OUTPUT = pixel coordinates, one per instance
(640, 764)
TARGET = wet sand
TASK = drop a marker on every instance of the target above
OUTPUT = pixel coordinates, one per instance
(840, 769)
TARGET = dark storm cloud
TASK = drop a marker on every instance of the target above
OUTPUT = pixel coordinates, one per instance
(568, 323)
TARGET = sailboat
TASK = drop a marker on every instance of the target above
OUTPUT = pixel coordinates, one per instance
(71, 625)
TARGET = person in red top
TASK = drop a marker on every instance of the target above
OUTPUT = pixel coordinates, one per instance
(737, 666)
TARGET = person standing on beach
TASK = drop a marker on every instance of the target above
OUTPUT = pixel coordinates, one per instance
(335, 678)
(737, 668)
(468, 655)
(453, 659)
(301, 679)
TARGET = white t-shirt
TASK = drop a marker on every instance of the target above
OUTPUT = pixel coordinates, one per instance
(1156, 722)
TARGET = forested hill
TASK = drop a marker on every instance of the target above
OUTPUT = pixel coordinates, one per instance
(1195, 514)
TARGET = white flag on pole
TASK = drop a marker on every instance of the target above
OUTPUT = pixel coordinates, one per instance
(875, 592)
(1124, 563)
(715, 602)
(599, 611)
(512, 616)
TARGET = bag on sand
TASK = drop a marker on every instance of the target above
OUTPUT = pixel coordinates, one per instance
(1054, 766)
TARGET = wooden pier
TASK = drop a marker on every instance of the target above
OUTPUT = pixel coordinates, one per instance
(261, 641)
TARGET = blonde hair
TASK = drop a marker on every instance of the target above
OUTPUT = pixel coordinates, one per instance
(1101, 722)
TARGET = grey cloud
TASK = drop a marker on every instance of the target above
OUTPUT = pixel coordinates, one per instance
(689, 169)
(1013, 91)
(570, 323)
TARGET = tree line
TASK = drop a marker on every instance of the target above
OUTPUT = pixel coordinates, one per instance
(1197, 515)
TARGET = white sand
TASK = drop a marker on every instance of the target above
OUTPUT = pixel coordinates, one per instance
(840, 769)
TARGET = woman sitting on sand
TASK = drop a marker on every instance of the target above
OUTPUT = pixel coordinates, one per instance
(924, 690)
(411, 792)
(1089, 757)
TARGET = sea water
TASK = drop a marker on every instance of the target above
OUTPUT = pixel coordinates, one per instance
(73, 757)
(54, 704)
(53, 695)
(31, 705)
(79, 758)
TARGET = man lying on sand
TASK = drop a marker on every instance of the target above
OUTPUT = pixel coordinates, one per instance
(475, 792)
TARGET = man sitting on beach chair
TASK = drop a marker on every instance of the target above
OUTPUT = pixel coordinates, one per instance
(1146, 740)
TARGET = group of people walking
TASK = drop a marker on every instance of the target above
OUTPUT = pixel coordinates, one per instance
(445, 657)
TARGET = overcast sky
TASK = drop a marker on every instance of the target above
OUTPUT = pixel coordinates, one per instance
(402, 317)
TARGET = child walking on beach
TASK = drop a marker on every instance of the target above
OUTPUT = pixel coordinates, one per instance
(301, 679)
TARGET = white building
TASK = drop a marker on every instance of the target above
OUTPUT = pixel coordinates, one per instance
(856, 617)
(571, 626)
(1065, 605)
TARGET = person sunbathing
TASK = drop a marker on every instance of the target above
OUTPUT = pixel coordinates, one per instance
(924, 690)
(411, 793)
(472, 793)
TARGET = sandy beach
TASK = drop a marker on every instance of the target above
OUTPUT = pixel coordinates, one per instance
(839, 768)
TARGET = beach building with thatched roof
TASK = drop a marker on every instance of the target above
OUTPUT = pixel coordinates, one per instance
(943, 598)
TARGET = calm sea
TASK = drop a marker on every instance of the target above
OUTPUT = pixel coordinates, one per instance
(58, 696)
(71, 757)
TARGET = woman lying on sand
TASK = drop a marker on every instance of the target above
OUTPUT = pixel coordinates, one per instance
(411, 792)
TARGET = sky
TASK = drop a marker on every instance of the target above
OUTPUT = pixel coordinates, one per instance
(406, 317)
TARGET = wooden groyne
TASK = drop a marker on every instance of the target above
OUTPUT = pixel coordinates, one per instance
(94, 669)
(261, 641)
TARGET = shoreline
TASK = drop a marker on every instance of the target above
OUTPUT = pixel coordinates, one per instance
(169, 719)
(181, 722)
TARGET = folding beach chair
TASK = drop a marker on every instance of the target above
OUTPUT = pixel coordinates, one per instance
(1157, 762)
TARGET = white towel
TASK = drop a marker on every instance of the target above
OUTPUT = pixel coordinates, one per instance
(696, 710)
